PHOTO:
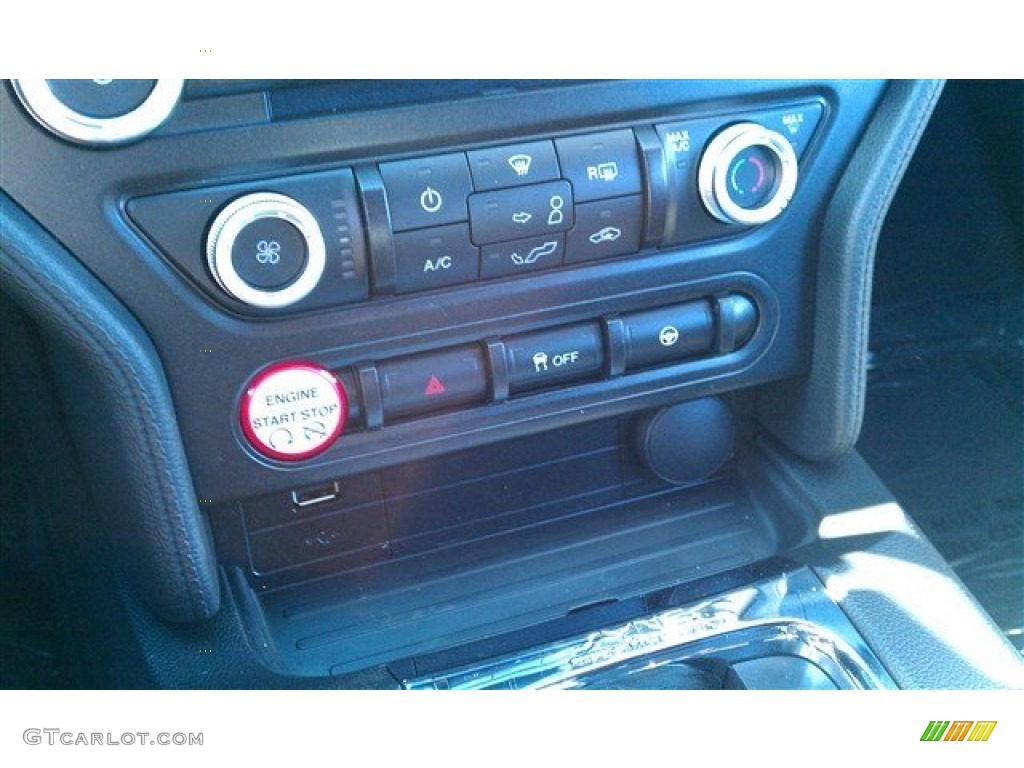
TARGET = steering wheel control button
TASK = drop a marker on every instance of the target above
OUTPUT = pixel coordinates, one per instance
(668, 334)
(747, 174)
(434, 258)
(293, 411)
(427, 191)
(605, 228)
(433, 382)
(266, 250)
(519, 256)
(102, 111)
(269, 253)
(513, 166)
(514, 214)
(601, 165)
(543, 359)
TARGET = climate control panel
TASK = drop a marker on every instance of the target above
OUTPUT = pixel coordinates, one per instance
(453, 271)
(402, 226)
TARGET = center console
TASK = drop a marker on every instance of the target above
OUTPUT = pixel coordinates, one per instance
(497, 227)
(439, 374)
(522, 317)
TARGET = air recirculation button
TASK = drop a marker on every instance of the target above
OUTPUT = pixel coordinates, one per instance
(266, 250)
(747, 174)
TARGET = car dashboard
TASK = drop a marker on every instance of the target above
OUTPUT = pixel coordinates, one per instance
(470, 384)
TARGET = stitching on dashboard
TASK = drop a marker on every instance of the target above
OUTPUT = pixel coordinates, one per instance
(863, 270)
(890, 185)
(186, 570)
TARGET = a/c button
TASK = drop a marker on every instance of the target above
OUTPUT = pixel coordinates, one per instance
(435, 257)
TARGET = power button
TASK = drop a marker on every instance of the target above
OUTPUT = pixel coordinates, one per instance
(293, 411)
(427, 191)
(431, 200)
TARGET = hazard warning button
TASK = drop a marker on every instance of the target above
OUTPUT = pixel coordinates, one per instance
(435, 382)
(292, 411)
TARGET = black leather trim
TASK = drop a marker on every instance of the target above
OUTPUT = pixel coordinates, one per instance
(819, 415)
(138, 470)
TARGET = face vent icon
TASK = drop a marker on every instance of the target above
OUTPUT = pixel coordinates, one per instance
(520, 164)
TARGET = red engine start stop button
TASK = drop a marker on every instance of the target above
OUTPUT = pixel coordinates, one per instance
(294, 410)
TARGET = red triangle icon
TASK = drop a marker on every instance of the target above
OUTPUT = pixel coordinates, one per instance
(434, 387)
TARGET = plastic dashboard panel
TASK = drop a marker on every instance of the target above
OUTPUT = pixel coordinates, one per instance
(563, 517)
(777, 258)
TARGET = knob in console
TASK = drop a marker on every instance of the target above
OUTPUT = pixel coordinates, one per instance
(99, 112)
(266, 250)
(747, 174)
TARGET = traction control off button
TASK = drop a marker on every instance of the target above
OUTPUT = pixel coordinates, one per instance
(293, 411)
(542, 359)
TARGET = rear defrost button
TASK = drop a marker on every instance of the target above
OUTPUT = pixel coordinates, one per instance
(600, 165)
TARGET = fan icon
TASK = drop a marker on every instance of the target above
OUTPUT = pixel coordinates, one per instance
(268, 251)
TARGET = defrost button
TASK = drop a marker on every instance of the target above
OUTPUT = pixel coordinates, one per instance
(513, 166)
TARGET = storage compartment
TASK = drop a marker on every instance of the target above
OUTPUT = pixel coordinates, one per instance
(472, 545)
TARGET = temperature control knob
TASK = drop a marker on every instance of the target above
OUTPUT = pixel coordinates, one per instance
(747, 174)
(266, 250)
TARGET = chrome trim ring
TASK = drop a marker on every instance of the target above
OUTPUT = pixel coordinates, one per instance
(238, 215)
(62, 121)
(712, 175)
(787, 614)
